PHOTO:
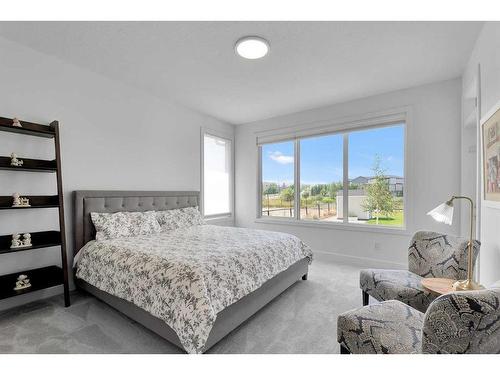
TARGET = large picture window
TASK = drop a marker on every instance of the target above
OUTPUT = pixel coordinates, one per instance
(217, 176)
(277, 182)
(321, 176)
(365, 165)
(376, 176)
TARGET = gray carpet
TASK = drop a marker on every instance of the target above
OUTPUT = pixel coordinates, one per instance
(301, 320)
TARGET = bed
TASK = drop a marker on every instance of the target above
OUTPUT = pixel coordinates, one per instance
(231, 272)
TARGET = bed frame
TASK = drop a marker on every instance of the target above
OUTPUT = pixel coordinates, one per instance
(87, 201)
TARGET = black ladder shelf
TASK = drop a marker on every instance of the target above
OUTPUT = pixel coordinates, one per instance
(46, 277)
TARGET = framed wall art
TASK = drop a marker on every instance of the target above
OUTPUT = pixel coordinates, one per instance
(490, 125)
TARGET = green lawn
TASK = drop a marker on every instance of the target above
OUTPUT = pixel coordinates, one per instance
(395, 221)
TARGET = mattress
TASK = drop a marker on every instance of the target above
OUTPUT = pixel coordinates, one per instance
(185, 277)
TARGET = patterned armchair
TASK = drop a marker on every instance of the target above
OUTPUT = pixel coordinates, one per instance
(430, 254)
(459, 322)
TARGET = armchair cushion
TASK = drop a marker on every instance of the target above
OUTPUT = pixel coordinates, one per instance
(401, 285)
(388, 327)
(433, 254)
(463, 322)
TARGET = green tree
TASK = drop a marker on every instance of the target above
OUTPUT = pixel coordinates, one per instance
(306, 194)
(398, 203)
(287, 195)
(353, 186)
(379, 199)
(317, 198)
(272, 188)
(319, 189)
(328, 201)
(317, 201)
(333, 188)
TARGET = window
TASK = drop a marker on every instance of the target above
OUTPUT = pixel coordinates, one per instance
(217, 176)
(366, 166)
(321, 176)
(376, 173)
(278, 176)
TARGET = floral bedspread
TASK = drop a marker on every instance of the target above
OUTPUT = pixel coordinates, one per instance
(186, 276)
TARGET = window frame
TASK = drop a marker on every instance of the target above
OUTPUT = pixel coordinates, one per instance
(295, 175)
(344, 126)
(227, 136)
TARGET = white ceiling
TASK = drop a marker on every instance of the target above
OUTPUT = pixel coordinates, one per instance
(310, 63)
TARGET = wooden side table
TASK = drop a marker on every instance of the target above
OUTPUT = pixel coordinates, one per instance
(438, 285)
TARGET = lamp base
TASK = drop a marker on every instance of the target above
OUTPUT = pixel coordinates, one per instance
(466, 285)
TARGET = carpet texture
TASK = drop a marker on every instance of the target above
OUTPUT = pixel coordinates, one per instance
(301, 320)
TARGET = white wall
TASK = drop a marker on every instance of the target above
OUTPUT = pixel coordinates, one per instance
(487, 53)
(113, 137)
(434, 172)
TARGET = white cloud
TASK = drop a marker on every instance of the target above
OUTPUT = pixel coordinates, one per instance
(278, 157)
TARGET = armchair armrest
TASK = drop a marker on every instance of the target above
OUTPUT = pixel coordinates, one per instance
(463, 322)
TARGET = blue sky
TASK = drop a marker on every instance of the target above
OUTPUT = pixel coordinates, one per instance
(321, 157)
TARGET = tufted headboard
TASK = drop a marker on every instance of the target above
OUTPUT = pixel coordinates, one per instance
(87, 201)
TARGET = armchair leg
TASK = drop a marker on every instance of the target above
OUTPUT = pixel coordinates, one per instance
(304, 277)
(344, 350)
(366, 298)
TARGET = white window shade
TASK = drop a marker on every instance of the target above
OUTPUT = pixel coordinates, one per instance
(216, 176)
(328, 127)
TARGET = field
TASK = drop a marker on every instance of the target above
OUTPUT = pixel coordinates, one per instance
(396, 220)
(280, 208)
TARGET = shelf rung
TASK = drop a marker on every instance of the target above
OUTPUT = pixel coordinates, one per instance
(40, 278)
(38, 239)
(28, 128)
(36, 201)
(29, 165)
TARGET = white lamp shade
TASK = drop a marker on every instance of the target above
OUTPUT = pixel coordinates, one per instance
(442, 213)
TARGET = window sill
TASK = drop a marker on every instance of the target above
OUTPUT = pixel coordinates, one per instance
(223, 219)
(336, 226)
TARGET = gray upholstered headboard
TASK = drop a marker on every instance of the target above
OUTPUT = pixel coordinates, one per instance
(87, 201)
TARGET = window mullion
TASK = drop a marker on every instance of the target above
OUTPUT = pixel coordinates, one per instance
(297, 179)
(345, 182)
(259, 179)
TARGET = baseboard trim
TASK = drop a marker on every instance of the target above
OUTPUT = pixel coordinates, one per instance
(357, 261)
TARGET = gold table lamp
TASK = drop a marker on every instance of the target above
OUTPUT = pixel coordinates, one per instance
(444, 214)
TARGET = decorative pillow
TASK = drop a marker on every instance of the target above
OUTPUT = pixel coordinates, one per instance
(193, 215)
(124, 224)
(179, 218)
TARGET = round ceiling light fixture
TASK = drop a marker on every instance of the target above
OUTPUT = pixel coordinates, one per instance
(252, 47)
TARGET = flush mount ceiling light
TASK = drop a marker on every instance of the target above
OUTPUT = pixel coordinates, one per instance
(252, 47)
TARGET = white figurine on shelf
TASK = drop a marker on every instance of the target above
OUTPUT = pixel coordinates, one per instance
(16, 200)
(25, 202)
(22, 282)
(27, 239)
(14, 161)
(16, 122)
(16, 241)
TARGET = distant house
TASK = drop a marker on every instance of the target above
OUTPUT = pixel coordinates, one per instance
(360, 180)
(396, 183)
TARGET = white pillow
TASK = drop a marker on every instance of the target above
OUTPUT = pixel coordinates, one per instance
(179, 218)
(124, 224)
